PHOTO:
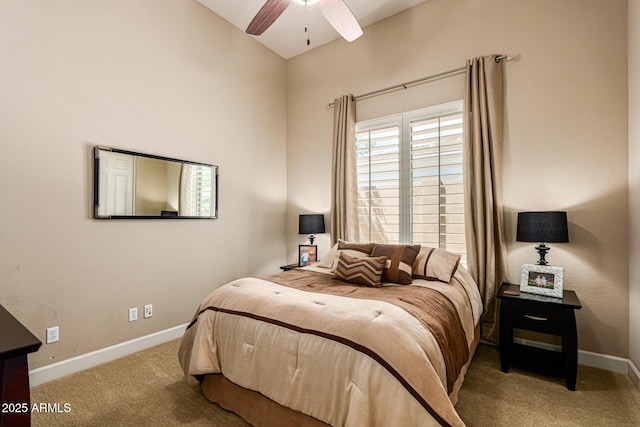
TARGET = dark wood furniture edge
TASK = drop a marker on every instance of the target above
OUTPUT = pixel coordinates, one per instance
(16, 341)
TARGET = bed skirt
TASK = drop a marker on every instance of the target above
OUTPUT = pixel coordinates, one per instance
(260, 411)
(253, 407)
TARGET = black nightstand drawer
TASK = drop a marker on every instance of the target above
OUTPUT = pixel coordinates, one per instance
(537, 318)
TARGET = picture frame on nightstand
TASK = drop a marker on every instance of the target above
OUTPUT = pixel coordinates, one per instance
(542, 280)
(307, 254)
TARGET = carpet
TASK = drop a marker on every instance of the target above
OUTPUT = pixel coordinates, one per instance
(148, 389)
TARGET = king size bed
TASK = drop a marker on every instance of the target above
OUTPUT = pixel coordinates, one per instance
(341, 344)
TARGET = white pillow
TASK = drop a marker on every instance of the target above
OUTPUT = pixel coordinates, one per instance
(329, 258)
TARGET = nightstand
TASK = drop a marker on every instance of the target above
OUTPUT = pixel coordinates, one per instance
(289, 267)
(547, 315)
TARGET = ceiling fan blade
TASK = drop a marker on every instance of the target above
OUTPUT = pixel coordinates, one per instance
(341, 18)
(266, 16)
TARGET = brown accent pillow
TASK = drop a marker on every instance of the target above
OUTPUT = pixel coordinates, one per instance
(365, 248)
(435, 264)
(360, 270)
(399, 266)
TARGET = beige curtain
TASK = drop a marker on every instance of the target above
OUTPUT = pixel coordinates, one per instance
(344, 202)
(486, 248)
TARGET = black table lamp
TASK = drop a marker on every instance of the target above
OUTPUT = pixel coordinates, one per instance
(542, 227)
(310, 224)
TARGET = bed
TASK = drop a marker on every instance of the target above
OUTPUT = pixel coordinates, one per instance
(321, 345)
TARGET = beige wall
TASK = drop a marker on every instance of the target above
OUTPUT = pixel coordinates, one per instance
(566, 100)
(634, 182)
(151, 186)
(160, 77)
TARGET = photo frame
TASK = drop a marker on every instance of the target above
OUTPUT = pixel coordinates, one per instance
(307, 254)
(542, 280)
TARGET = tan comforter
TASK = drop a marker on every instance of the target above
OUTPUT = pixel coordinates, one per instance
(344, 354)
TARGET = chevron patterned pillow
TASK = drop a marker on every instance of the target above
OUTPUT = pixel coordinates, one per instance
(360, 271)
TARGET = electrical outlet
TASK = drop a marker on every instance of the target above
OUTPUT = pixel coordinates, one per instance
(133, 314)
(53, 335)
(148, 310)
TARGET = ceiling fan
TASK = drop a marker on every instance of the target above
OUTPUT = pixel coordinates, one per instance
(335, 11)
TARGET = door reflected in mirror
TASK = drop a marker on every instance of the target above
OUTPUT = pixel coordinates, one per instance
(136, 185)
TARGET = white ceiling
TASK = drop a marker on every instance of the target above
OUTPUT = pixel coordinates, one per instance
(286, 36)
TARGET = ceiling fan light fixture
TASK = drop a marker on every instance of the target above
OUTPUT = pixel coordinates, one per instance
(306, 2)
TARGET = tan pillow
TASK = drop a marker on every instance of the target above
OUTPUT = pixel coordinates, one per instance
(365, 248)
(399, 266)
(435, 264)
(360, 270)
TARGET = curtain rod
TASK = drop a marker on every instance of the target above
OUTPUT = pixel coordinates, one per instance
(405, 85)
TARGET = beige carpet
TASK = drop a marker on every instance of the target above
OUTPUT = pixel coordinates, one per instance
(490, 397)
(148, 389)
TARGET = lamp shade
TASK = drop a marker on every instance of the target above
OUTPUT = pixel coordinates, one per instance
(311, 223)
(546, 226)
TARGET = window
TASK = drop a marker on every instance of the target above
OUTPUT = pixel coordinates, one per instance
(410, 181)
(197, 191)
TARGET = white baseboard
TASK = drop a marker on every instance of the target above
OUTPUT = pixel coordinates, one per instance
(107, 354)
(595, 360)
(634, 373)
(615, 364)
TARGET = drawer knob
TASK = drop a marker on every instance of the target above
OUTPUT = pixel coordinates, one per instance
(528, 316)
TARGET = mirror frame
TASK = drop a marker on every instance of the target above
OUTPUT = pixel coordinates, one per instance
(96, 185)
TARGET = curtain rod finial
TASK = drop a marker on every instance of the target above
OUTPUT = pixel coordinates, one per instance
(508, 57)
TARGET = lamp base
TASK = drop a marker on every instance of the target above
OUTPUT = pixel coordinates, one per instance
(311, 238)
(542, 250)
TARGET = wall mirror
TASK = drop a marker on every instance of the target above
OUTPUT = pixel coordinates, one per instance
(136, 185)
